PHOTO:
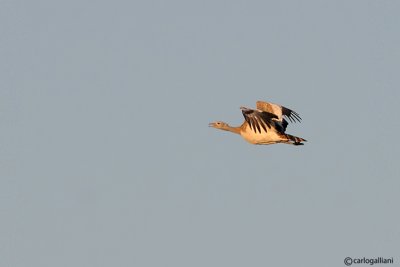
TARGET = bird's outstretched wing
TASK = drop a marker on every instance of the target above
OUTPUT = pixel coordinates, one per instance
(258, 119)
(279, 111)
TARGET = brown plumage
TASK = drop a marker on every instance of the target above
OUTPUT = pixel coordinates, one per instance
(264, 125)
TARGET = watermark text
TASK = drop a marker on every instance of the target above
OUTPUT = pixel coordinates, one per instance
(371, 261)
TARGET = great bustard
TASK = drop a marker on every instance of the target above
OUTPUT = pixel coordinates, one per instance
(265, 125)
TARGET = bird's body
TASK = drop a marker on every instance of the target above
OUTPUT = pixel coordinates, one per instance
(263, 137)
(265, 125)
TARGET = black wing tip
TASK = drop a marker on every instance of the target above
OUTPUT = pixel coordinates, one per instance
(291, 115)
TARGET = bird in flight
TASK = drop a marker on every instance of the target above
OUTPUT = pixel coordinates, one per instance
(264, 125)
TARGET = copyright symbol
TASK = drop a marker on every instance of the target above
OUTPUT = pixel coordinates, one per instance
(348, 261)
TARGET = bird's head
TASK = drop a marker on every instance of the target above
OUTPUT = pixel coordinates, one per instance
(219, 125)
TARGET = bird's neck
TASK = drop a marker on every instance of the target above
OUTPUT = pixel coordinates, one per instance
(235, 130)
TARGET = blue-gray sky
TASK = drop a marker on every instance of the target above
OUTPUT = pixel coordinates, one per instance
(106, 158)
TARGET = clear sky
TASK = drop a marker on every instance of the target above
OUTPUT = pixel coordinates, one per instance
(106, 157)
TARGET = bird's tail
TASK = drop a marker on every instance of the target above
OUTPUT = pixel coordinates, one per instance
(294, 140)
